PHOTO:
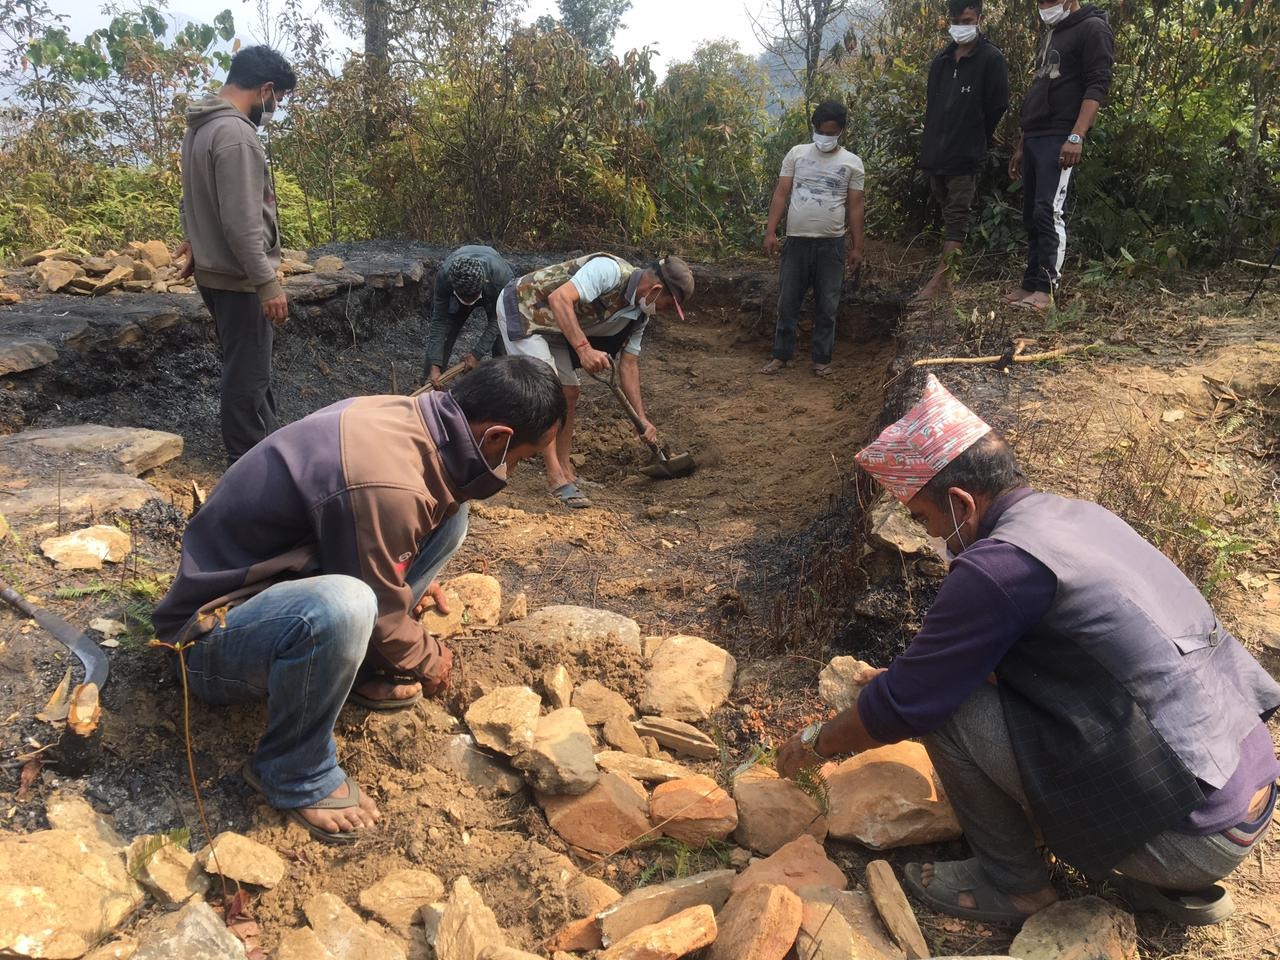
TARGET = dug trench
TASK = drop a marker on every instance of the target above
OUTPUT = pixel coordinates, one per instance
(763, 551)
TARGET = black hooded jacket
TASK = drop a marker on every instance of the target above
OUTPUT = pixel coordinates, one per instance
(965, 102)
(1073, 65)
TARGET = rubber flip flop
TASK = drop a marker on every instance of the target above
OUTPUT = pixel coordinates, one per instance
(822, 370)
(774, 367)
(352, 799)
(950, 879)
(383, 706)
(571, 496)
(1028, 305)
(1195, 908)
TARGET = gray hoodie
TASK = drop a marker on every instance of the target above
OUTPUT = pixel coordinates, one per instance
(228, 206)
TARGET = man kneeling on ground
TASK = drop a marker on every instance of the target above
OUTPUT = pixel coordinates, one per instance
(1068, 676)
(303, 574)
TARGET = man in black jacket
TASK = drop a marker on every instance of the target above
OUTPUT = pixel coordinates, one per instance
(968, 94)
(1072, 77)
(471, 278)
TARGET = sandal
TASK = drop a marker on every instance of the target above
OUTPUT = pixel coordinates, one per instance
(383, 706)
(571, 496)
(1037, 307)
(822, 370)
(1195, 908)
(950, 879)
(774, 366)
(352, 799)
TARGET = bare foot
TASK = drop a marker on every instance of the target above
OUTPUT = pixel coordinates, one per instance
(1017, 295)
(1037, 301)
(773, 366)
(346, 820)
(926, 293)
(1025, 903)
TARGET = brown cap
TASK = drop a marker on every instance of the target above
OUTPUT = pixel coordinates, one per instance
(677, 279)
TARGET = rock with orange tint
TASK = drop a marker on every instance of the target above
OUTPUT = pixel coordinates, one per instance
(888, 797)
(800, 864)
(760, 923)
(669, 939)
(612, 815)
(773, 811)
(693, 810)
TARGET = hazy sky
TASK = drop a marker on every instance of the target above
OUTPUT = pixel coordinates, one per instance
(674, 27)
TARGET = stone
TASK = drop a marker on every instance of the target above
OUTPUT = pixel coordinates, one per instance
(143, 272)
(69, 812)
(1088, 927)
(612, 815)
(133, 449)
(507, 953)
(561, 758)
(193, 933)
(463, 758)
(693, 810)
(467, 925)
(651, 747)
(475, 600)
(50, 253)
(9, 296)
(87, 549)
(678, 736)
(298, 255)
(887, 798)
(759, 923)
(302, 944)
(329, 264)
(688, 679)
(97, 265)
(241, 859)
(430, 916)
(20, 353)
(773, 812)
(675, 937)
(61, 891)
(112, 280)
(122, 948)
(578, 629)
(289, 267)
(598, 703)
(169, 872)
(895, 910)
(576, 935)
(398, 897)
(647, 769)
(889, 525)
(648, 905)
(54, 275)
(517, 609)
(621, 735)
(841, 925)
(558, 686)
(504, 719)
(154, 252)
(798, 864)
(343, 934)
(95, 493)
(842, 680)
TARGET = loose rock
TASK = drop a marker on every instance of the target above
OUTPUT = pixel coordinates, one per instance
(647, 769)
(398, 897)
(19, 353)
(170, 873)
(463, 757)
(679, 736)
(895, 911)
(561, 759)
(760, 923)
(688, 679)
(517, 609)
(576, 935)
(193, 933)
(598, 703)
(504, 719)
(799, 864)
(558, 686)
(887, 798)
(467, 925)
(842, 680)
(610, 816)
(239, 858)
(73, 813)
(87, 549)
(121, 948)
(652, 904)
(153, 252)
(889, 525)
(133, 449)
(693, 810)
(341, 931)
(578, 628)
(56, 274)
(475, 600)
(675, 937)
(773, 811)
(621, 735)
(839, 925)
(1086, 927)
(95, 493)
(329, 264)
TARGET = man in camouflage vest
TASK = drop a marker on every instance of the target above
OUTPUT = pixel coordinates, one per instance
(581, 313)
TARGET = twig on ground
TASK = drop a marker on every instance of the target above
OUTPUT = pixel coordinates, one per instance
(1017, 358)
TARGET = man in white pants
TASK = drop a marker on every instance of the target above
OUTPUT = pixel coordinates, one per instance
(582, 313)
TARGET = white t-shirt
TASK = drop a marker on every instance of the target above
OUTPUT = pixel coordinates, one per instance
(820, 189)
(598, 277)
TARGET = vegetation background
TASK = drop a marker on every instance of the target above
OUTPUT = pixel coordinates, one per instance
(457, 121)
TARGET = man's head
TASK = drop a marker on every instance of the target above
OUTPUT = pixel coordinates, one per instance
(1055, 11)
(514, 406)
(965, 13)
(467, 276)
(830, 117)
(952, 504)
(666, 284)
(261, 78)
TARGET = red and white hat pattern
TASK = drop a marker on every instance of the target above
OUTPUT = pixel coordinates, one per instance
(912, 451)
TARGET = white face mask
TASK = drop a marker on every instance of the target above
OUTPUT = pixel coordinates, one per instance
(826, 143)
(963, 33)
(1053, 15)
(647, 308)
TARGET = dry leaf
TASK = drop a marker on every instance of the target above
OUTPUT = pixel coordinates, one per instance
(55, 711)
(108, 628)
(30, 770)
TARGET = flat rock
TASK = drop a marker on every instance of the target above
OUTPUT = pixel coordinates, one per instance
(169, 872)
(193, 933)
(621, 735)
(561, 759)
(341, 931)
(652, 904)
(576, 935)
(133, 449)
(674, 937)
(894, 909)
(558, 687)
(773, 812)
(759, 923)
(612, 815)
(504, 720)
(688, 678)
(93, 493)
(842, 925)
(60, 892)
(842, 680)
(241, 859)
(54, 275)
(87, 549)
(586, 895)
(693, 810)
(467, 925)
(507, 953)
(464, 758)
(329, 264)
(678, 736)
(121, 948)
(578, 628)
(517, 608)
(646, 769)
(887, 798)
(66, 811)
(154, 252)
(302, 944)
(398, 897)
(799, 864)
(889, 525)
(20, 353)
(1087, 927)
(475, 600)
(598, 703)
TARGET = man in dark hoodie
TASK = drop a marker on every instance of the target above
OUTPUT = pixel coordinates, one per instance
(303, 575)
(968, 93)
(232, 238)
(471, 278)
(1072, 77)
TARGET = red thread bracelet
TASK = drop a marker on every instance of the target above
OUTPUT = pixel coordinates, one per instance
(584, 343)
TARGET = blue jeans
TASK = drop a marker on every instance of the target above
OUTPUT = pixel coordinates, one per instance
(298, 645)
(816, 262)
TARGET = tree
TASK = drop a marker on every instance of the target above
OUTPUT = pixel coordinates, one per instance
(591, 22)
(795, 31)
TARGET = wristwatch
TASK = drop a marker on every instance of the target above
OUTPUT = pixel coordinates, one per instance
(809, 740)
(1075, 138)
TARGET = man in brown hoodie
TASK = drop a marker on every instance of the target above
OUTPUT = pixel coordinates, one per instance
(232, 237)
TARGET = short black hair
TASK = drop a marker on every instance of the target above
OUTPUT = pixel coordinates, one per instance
(519, 392)
(254, 66)
(988, 467)
(829, 110)
(957, 7)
